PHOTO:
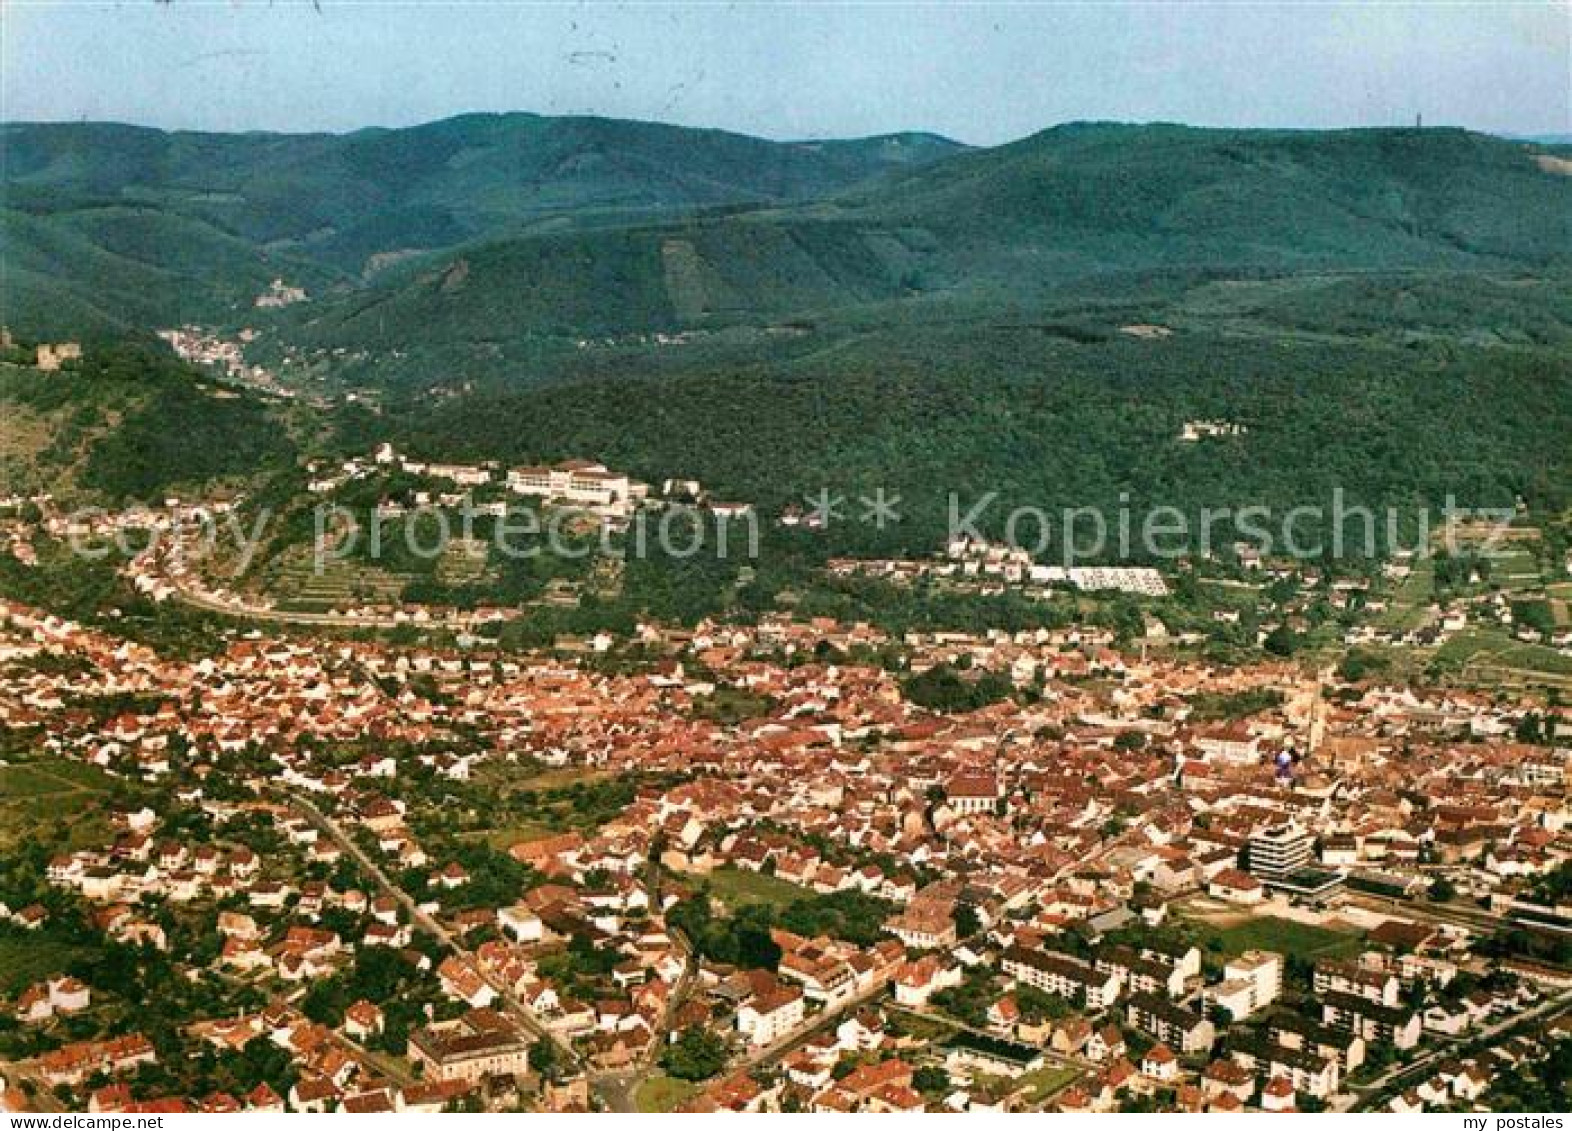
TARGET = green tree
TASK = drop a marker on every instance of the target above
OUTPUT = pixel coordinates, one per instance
(543, 1058)
(967, 922)
(697, 1054)
(1282, 641)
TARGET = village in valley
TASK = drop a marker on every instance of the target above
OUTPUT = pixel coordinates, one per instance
(1240, 833)
(809, 558)
(794, 864)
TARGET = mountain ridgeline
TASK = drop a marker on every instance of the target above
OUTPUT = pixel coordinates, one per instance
(126, 225)
(1384, 312)
(491, 228)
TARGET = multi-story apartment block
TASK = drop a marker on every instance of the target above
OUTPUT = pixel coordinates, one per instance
(1261, 971)
(1280, 851)
(1180, 1028)
(1063, 976)
(1386, 1024)
(1378, 986)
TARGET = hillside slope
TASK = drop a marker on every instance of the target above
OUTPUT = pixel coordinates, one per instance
(499, 228)
(105, 270)
(1090, 195)
(129, 422)
(1110, 205)
(236, 209)
(924, 410)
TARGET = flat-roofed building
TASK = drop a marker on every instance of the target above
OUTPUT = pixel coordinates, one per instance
(975, 1052)
(1263, 970)
(1279, 851)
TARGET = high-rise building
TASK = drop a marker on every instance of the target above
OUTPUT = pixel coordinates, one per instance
(1279, 851)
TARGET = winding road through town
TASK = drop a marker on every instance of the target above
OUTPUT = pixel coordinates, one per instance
(517, 1010)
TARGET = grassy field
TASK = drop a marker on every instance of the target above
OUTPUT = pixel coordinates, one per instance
(36, 796)
(921, 1026)
(17, 782)
(79, 775)
(1286, 936)
(1035, 1087)
(1406, 609)
(1487, 652)
(507, 776)
(26, 959)
(564, 777)
(737, 887)
(662, 1093)
(523, 803)
(503, 837)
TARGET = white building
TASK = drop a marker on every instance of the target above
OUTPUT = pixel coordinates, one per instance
(462, 474)
(1280, 851)
(766, 1018)
(1126, 579)
(1250, 982)
(580, 482)
(521, 923)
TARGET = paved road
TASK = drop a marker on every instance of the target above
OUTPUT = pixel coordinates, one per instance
(1373, 1096)
(955, 1023)
(319, 620)
(1080, 1066)
(617, 1090)
(520, 1012)
(18, 1071)
(802, 1032)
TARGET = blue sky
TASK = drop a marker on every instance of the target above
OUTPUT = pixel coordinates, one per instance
(980, 72)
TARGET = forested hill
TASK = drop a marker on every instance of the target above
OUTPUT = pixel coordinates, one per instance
(130, 423)
(505, 227)
(1079, 206)
(1081, 195)
(112, 224)
(1384, 311)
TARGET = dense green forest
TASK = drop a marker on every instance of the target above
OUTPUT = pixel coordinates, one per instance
(1074, 208)
(500, 229)
(110, 226)
(129, 422)
(1046, 422)
(1381, 318)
